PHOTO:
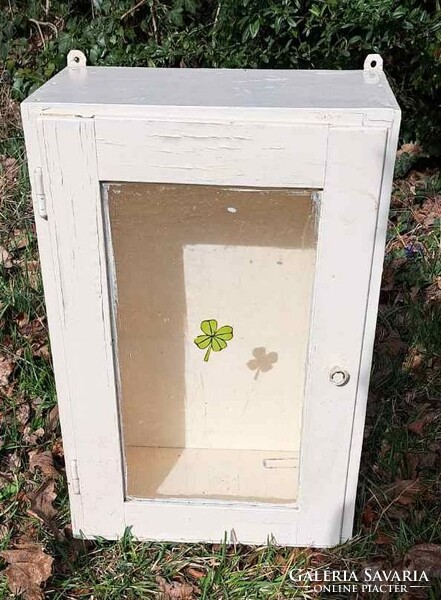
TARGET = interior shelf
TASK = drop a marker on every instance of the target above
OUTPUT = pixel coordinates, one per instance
(248, 475)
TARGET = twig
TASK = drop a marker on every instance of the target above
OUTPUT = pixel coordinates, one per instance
(155, 25)
(39, 24)
(132, 10)
(216, 17)
(392, 502)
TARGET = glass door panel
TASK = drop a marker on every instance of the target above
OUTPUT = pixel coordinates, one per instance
(212, 302)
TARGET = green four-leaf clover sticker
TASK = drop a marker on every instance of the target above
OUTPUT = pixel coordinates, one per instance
(213, 338)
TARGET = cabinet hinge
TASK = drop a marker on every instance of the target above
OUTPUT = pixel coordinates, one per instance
(75, 480)
(39, 193)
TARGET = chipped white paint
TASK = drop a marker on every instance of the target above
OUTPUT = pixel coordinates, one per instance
(333, 131)
(231, 153)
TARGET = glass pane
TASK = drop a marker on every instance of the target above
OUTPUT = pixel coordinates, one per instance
(212, 316)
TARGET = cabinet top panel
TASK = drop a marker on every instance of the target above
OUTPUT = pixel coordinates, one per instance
(228, 88)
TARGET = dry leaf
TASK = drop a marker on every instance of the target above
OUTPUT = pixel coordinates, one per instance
(429, 212)
(175, 590)
(397, 513)
(5, 258)
(13, 461)
(418, 426)
(22, 319)
(10, 166)
(34, 329)
(195, 573)
(31, 437)
(418, 461)
(4, 531)
(414, 360)
(404, 491)
(412, 465)
(410, 148)
(42, 352)
(6, 368)
(425, 557)
(52, 419)
(368, 516)
(57, 448)
(426, 460)
(43, 461)
(21, 239)
(384, 539)
(28, 568)
(41, 501)
(32, 269)
(22, 413)
(433, 291)
(393, 344)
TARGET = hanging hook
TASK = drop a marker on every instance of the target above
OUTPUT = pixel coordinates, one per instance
(75, 59)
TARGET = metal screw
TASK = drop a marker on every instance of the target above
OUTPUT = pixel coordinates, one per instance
(339, 376)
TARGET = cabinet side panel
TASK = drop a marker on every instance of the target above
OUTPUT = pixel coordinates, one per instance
(35, 159)
(76, 231)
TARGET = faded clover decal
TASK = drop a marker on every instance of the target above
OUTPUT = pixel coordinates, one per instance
(262, 362)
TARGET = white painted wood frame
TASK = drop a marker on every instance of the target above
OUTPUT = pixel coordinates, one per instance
(347, 154)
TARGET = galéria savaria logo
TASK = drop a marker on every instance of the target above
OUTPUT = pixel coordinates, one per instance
(369, 580)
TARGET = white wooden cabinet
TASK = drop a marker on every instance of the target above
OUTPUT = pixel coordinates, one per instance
(251, 204)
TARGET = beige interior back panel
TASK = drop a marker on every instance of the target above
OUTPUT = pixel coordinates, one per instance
(184, 254)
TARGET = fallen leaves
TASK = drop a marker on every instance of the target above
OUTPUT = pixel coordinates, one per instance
(424, 557)
(31, 270)
(414, 360)
(4, 532)
(6, 258)
(30, 436)
(43, 461)
(392, 343)
(369, 515)
(22, 413)
(383, 539)
(175, 590)
(52, 419)
(418, 461)
(9, 168)
(409, 148)
(28, 567)
(35, 332)
(404, 491)
(7, 366)
(433, 291)
(418, 427)
(429, 212)
(21, 239)
(195, 573)
(41, 501)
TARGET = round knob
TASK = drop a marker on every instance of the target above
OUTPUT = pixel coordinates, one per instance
(339, 376)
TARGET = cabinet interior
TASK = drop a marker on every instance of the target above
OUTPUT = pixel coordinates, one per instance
(227, 427)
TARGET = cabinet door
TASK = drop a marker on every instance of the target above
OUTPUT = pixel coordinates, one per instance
(209, 276)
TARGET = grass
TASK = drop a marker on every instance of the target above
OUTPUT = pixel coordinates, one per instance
(402, 441)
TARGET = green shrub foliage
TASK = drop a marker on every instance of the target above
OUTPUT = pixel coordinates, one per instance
(331, 34)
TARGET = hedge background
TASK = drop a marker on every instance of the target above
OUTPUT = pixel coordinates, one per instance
(36, 36)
